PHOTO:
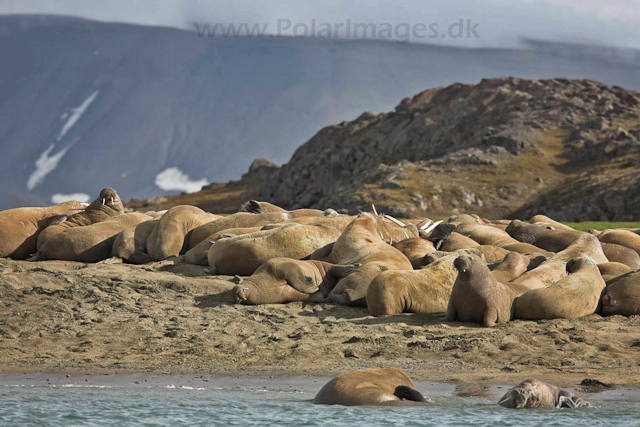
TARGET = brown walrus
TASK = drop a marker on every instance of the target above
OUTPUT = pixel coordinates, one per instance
(91, 243)
(477, 296)
(242, 255)
(574, 296)
(512, 266)
(131, 244)
(256, 207)
(105, 206)
(537, 394)
(543, 219)
(283, 280)
(170, 237)
(625, 238)
(415, 248)
(199, 253)
(612, 270)
(486, 235)
(20, 227)
(622, 296)
(426, 290)
(363, 242)
(369, 387)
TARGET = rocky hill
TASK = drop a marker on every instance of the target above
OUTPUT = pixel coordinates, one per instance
(502, 148)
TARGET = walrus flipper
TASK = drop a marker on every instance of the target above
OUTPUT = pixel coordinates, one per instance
(566, 402)
(405, 392)
(58, 220)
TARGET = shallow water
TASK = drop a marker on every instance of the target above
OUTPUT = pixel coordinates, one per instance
(148, 401)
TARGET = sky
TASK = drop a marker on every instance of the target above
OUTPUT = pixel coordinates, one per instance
(500, 23)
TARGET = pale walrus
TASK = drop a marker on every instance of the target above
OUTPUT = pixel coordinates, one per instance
(284, 280)
(363, 242)
(105, 206)
(91, 243)
(242, 255)
(574, 296)
(477, 296)
(415, 248)
(622, 296)
(537, 394)
(369, 387)
(426, 290)
(20, 227)
(171, 236)
(131, 244)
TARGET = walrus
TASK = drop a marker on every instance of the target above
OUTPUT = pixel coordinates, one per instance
(486, 235)
(21, 227)
(436, 255)
(369, 387)
(622, 295)
(512, 266)
(363, 242)
(256, 207)
(555, 268)
(131, 244)
(284, 280)
(242, 255)
(237, 220)
(543, 219)
(625, 238)
(106, 205)
(477, 296)
(91, 243)
(537, 394)
(426, 290)
(612, 270)
(574, 296)
(199, 253)
(415, 248)
(170, 237)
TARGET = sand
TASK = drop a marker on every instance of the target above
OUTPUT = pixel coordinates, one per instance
(161, 318)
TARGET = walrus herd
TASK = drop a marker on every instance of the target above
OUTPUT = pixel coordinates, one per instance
(469, 268)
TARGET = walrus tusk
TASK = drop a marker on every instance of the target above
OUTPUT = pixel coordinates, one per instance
(405, 234)
(426, 224)
(434, 225)
(373, 207)
(85, 204)
(103, 200)
(392, 219)
(381, 236)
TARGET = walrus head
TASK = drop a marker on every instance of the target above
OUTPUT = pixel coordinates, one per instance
(240, 294)
(517, 397)
(109, 197)
(463, 263)
(252, 206)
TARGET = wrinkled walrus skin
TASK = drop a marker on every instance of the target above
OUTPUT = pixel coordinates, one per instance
(538, 394)
(369, 387)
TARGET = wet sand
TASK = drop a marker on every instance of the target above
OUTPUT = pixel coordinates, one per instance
(73, 318)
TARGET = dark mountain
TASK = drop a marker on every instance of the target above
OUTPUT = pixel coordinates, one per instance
(147, 110)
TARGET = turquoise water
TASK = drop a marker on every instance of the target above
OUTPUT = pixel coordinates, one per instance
(73, 403)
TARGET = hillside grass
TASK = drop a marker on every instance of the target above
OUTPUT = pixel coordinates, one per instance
(586, 226)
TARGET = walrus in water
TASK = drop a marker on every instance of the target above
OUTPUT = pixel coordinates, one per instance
(426, 290)
(574, 296)
(22, 226)
(91, 243)
(369, 387)
(170, 237)
(131, 244)
(622, 296)
(477, 296)
(284, 280)
(105, 206)
(363, 242)
(242, 255)
(537, 394)
(415, 248)
(486, 235)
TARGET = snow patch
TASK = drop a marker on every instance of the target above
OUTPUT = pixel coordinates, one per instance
(76, 113)
(173, 179)
(45, 165)
(78, 197)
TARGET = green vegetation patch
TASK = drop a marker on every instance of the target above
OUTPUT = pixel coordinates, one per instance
(585, 226)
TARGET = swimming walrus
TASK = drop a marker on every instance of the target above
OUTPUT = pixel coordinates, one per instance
(622, 295)
(538, 394)
(131, 244)
(415, 248)
(477, 296)
(91, 243)
(242, 255)
(369, 387)
(363, 242)
(486, 235)
(426, 290)
(170, 237)
(284, 280)
(105, 206)
(21, 227)
(574, 296)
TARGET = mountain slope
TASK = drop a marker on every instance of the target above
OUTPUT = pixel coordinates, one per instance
(149, 110)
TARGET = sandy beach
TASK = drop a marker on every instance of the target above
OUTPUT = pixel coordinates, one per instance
(161, 318)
